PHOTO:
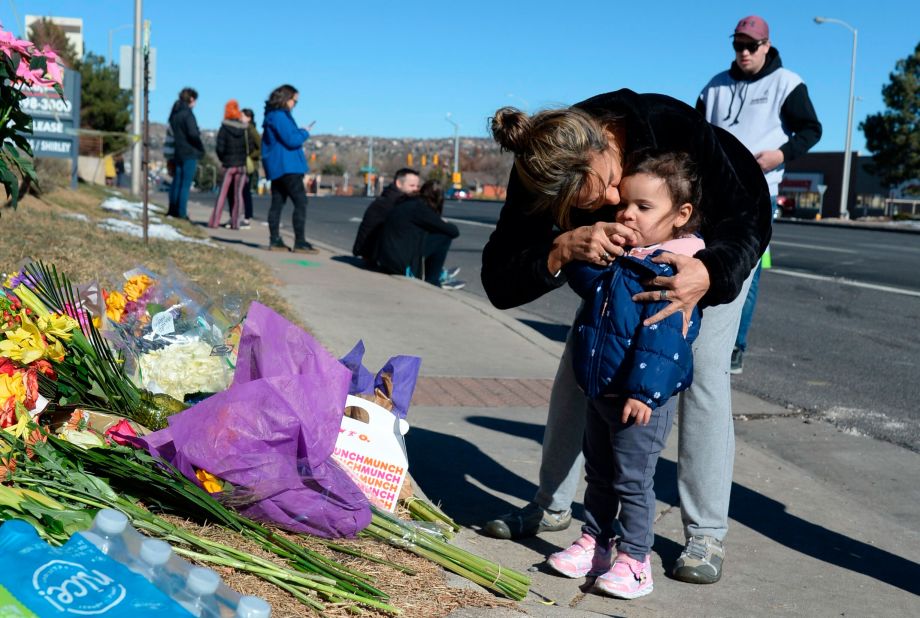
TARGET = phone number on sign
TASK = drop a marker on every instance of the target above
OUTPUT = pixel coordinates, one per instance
(44, 104)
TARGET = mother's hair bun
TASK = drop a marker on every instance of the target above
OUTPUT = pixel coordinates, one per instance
(511, 129)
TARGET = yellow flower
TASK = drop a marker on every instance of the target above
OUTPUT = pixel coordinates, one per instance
(57, 327)
(25, 344)
(22, 426)
(12, 386)
(115, 305)
(210, 482)
(136, 286)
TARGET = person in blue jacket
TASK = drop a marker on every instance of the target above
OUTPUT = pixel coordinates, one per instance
(630, 372)
(285, 166)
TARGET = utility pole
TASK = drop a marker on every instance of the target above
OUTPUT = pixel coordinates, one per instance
(847, 155)
(455, 179)
(370, 166)
(137, 78)
(146, 166)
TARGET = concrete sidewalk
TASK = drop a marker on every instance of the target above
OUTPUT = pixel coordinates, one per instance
(823, 523)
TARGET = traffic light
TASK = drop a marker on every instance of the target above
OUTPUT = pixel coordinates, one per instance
(312, 157)
(409, 159)
(424, 160)
(335, 157)
(434, 160)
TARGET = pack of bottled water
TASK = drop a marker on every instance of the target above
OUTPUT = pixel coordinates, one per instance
(111, 570)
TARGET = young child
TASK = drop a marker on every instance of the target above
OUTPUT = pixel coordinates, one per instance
(630, 373)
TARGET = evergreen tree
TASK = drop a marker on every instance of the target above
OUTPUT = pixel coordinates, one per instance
(104, 106)
(893, 136)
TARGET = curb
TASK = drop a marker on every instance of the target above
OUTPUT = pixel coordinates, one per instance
(866, 225)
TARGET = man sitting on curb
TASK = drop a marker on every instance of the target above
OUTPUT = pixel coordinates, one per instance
(367, 242)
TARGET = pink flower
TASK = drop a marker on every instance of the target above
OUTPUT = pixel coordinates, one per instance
(27, 75)
(54, 71)
(80, 314)
(10, 44)
(37, 77)
(121, 433)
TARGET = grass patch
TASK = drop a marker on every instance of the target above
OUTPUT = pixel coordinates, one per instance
(62, 228)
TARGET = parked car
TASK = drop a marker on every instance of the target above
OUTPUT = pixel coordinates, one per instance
(456, 194)
(785, 207)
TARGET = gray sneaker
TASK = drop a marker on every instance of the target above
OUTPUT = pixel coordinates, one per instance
(737, 361)
(527, 521)
(701, 561)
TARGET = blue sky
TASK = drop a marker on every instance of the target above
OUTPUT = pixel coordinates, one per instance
(395, 69)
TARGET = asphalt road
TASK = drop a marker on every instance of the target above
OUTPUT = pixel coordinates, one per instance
(837, 327)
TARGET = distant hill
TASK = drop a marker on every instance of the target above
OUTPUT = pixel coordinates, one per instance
(481, 160)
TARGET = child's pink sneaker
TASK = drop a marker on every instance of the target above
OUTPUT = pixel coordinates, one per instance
(584, 557)
(627, 579)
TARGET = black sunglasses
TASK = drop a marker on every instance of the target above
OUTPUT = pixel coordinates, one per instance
(751, 47)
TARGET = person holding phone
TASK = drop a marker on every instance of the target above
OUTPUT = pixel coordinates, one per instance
(285, 166)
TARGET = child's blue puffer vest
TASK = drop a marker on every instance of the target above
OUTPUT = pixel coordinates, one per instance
(616, 354)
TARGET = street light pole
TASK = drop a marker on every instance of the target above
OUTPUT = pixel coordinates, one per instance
(137, 105)
(845, 190)
(456, 176)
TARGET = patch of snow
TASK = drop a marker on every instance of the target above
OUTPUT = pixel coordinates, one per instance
(79, 216)
(161, 231)
(135, 210)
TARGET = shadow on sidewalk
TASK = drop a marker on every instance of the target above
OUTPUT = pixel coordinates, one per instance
(463, 486)
(554, 332)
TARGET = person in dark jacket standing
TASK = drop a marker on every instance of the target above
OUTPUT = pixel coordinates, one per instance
(767, 107)
(414, 239)
(253, 158)
(231, 150)
(406, 182)
(187, 150)
(285, 166)
(573, 156)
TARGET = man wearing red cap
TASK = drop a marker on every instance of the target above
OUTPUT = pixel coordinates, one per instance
(768, 109)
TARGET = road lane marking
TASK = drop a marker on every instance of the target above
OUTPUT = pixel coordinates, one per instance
(842, 281)
(784, 243)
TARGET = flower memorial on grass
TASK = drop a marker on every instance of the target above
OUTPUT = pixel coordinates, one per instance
(252, 457)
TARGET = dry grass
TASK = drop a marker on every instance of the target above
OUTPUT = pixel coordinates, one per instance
(47, 229)
(52, 229)
(423, 595)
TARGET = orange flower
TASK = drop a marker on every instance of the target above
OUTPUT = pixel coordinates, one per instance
(7, 467)
(35, 436)
(211, 483)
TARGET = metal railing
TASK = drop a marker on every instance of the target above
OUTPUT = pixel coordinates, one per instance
(900, 207)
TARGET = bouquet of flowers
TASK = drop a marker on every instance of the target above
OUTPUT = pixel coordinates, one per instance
(49, 321)
(170, 335)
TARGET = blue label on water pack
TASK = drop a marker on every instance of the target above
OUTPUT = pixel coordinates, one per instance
(74, 580)
(72, 587)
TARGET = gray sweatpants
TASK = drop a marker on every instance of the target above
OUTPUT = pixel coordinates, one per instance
(706, 438)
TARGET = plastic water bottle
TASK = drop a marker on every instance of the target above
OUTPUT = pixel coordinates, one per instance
(253, 607)
(151, 563)
(198, 595)
(108, 535)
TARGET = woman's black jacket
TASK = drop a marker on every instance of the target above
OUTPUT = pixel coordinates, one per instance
(737, 214)
(231, 143)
